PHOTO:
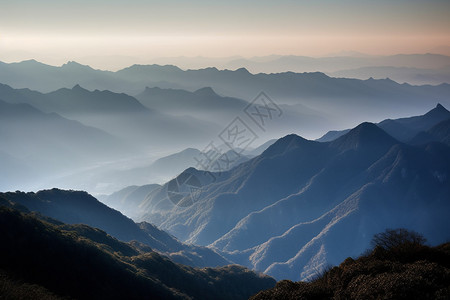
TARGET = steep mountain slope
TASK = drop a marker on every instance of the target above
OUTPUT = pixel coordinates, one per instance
(332, 135)
(74, 207)
(415, 124)
(166, 168)
(303, 204)
(438, 133)
(56, 260)
(127, 198)
(403, 129)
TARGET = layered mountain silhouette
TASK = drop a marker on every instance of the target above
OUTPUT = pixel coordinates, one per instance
(345, 96)
(403, 129)
(166, 168)
(117, 114)
(46, 259)
(35, 144)
(415, 76)
(351, 65)
(127, 199)
(203, 103)
(301, 204)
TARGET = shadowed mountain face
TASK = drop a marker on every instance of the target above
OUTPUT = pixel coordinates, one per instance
(301, 204)
(74, 207)
(53, 260)
(438, 133)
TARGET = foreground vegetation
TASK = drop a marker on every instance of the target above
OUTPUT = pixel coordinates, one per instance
(399, 266)
(41, 258)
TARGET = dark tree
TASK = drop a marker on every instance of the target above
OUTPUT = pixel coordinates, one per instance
(394, 238)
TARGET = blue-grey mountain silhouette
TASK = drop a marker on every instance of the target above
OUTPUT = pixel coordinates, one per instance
(301, 204)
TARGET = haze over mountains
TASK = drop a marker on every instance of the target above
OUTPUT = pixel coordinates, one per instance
(303, 204)
(314, 90)
(154, 143)
(163, 119)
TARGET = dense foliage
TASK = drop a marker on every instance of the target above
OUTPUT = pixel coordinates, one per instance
(399, 267)
(42, 259)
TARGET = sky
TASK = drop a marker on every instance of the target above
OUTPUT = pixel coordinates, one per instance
(107, 33)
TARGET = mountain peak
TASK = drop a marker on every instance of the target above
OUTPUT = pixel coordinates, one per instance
(77, 87)
(31, 63)
(364, 135)
(242, 70)
(440, 107)
(206, 91)
(284, 144)
(438, 112)
(74, 64)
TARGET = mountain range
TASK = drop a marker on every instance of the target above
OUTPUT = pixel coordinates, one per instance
(274, 214)
(339, 62)
(134, 134)
(399, 74)
(407, 129)
(288, 208)
(116, 113)
(314, 90)
(411, 68)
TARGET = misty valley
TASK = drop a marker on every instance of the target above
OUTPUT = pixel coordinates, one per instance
(283, 177)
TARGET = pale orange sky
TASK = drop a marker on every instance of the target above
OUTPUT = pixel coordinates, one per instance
(106, 34)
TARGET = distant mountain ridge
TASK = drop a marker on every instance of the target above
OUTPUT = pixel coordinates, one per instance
(403, 129)
(414, 76)
(316, 90)
(39, 143)
(201, 103)
(339, 62)
(116, 113)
